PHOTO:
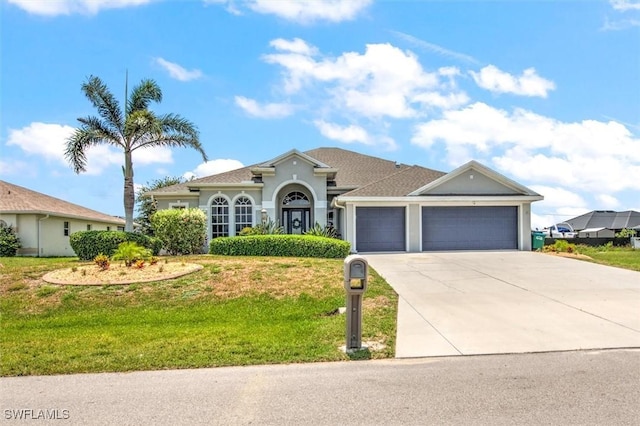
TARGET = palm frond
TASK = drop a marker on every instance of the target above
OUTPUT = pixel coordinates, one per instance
(77, 145)
(174, 131)
(142, 95)
(107, 105)
(103, 128)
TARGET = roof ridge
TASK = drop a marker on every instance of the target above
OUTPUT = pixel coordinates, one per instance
(26, 195)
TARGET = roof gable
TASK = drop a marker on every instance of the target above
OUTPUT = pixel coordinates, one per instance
(16, 200)
(474, 178)
(294, 153)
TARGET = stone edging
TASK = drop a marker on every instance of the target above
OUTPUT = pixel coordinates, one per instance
(193, 268)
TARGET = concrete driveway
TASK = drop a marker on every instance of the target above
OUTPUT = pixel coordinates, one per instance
(465, 303)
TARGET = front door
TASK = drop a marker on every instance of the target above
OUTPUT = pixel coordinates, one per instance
(296, 220)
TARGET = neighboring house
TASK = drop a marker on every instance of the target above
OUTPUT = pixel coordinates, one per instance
(44, 223)
(375, 204)
(609, 219)
(596, 233)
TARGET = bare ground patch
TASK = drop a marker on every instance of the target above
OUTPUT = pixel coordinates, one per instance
(119, 274)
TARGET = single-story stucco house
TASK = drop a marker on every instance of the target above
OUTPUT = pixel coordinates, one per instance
(609, 219)
(375, 204)
(44, 223)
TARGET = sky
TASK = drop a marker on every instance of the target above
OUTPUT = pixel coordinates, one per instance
(545, 92)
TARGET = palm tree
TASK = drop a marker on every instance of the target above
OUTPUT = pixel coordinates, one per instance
(135, 127)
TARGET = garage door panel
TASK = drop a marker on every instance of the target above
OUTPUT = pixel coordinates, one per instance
(380, 229)
(469, 228)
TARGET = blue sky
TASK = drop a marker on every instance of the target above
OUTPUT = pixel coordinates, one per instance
(545, 92)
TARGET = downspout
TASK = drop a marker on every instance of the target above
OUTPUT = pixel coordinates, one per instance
(335, 204)
(40, 232)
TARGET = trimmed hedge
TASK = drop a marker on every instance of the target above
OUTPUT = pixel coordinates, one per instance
(280, 245)
(88, 244)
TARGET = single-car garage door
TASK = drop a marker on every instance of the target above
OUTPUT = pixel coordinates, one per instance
(469, 228)
(380, 229)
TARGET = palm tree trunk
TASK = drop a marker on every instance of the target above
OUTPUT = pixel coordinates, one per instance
(129, 194)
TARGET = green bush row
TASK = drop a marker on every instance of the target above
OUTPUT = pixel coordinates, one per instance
(88, 244)
(280, 245)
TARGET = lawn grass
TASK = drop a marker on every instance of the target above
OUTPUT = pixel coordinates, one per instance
(235, 311)
(622, 257)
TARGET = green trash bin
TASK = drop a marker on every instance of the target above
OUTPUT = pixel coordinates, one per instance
(537, 239)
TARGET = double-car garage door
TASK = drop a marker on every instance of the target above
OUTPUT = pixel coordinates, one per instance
(443, 228)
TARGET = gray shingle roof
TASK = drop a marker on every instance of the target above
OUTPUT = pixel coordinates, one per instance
(398, 184)
(354, 170)
(16, 199)
(606, 219)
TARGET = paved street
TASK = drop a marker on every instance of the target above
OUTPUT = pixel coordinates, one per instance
(582, 387)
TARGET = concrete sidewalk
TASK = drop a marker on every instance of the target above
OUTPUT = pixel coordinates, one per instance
(464, 303)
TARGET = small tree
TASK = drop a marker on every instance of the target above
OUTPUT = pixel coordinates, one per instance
(182, 231)
(626, 233)
(146, 206)
(9, 242)
(131, 252)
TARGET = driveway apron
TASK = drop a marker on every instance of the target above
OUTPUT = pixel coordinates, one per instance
(468, 303)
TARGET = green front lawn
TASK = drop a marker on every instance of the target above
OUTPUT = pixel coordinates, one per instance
(622, 257)
(236, 311)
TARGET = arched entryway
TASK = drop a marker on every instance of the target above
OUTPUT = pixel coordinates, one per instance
(296, 206)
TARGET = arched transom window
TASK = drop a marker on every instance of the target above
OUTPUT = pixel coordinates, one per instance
(295, 198)
(243, 214)
(219, 217)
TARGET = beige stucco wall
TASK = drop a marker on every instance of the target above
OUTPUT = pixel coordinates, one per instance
(42, 235)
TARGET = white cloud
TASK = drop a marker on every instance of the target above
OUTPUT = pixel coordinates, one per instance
(42, 139)
(296, 45)
(380, 82)
(624, 5)
(272, 110)
(213, 167)
(442, 101)
(555, 197)
(308, 11)
(607, 201)
(619, 25)
(178, 72)
(353, 134)
(600, 157)
(435, 48)
(528, 84)
(299, 11)
(16, 167)
(68, 7)
(49, 141)
(346, 134)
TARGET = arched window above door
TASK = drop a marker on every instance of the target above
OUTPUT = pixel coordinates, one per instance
(296, 198)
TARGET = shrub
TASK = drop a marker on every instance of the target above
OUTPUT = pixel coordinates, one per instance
(131, 252)
(280, 245)
(561, 246)
(319, 231)
(9, 242)
(102, 261)
(139, 264)
(182, 231)
(268, 228)
(626, 233)
(88, 244)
